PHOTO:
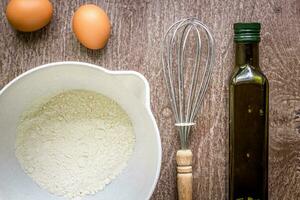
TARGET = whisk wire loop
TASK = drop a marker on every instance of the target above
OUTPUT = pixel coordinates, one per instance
(186, 108)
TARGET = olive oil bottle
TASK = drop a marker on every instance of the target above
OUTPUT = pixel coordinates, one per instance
(249, 90)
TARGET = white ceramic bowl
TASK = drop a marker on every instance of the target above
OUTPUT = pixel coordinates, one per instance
(130, 89)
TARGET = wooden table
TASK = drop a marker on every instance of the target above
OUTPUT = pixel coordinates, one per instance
(138, 27)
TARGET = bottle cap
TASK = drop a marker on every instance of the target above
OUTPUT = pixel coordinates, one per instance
(246, 32)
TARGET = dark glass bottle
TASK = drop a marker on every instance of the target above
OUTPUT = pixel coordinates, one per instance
(249, 90)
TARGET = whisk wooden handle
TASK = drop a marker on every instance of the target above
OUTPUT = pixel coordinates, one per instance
(184, 174)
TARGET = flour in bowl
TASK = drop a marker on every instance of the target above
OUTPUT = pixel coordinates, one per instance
(74, 143)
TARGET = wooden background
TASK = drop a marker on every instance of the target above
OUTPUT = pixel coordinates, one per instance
(138, 27)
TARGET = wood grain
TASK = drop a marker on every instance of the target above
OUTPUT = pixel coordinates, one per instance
(138, 27)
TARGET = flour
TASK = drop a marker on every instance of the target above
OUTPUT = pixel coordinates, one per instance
(74, 143)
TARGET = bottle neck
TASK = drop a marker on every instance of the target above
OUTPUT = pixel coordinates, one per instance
(246, 53)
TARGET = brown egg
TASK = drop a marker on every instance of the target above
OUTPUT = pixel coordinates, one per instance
(29, 15)
(91, 26)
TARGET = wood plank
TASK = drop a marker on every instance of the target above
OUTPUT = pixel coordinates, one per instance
(138, 27)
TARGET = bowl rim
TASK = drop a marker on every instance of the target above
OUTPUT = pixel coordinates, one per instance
(111, 72)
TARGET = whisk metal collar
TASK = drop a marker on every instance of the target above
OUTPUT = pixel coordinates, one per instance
(185, 124)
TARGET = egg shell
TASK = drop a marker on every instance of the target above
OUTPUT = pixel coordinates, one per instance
(91, 26)
(29, 15)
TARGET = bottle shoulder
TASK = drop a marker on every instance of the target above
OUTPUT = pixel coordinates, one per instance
(248, 74)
